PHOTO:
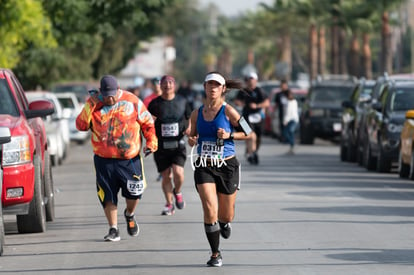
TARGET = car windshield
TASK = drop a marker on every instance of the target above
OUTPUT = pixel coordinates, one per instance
(367, 90)
(80, 90)
(330, 94)
(66, 102)
(402, 99)
(7, 104)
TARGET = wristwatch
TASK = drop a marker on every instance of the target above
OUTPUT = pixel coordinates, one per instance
(231, 135)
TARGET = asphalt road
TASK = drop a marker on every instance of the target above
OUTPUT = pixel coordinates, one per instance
(302, 214)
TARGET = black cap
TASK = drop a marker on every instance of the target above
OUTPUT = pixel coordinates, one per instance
(109, 85)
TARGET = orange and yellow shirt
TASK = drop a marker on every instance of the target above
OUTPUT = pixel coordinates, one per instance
(116, 130)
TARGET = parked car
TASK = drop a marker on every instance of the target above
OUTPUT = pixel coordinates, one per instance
(27, 176)
(5, 137)
(272, 122)
(57, 127)
(362, 147)
(71, 109)
(322, 111)
(406, 153)
(353, 110)
(385, 123)
(81, 89)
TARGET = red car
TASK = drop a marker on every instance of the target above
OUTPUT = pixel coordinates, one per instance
(27, 176)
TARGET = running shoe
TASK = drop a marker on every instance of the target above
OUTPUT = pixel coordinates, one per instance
(179, 201)
(113, 235)
(225, 230)
(132, 226)
(215, 260)
(255, 158)
(168, 210)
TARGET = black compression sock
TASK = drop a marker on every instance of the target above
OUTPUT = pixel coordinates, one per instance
(213, 236)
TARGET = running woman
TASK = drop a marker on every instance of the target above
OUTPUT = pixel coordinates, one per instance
(216, 172)
(171, 113)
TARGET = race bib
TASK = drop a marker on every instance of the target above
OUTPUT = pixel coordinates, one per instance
(169, 129)
(135, 187)
(255, 118)
(211, 150)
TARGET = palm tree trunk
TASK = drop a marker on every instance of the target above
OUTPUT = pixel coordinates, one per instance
(334, 49)
(366, 57)
(321, 51)
(313, 52)
(285, 56)
(354, 66)
(386, 54)
(343, 66)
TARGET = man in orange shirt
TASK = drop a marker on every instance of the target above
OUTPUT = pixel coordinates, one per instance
(116, 119)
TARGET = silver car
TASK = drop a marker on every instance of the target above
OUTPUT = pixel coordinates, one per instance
(57, 127)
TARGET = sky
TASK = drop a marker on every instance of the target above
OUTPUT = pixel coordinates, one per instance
(235, 7)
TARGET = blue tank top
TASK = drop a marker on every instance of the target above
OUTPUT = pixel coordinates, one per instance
(207, 135)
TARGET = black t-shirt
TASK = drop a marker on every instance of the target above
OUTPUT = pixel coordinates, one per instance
(171, 117)
(254, 96)
(281, 101)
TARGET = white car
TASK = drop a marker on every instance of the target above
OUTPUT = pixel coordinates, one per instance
(71, 109)
(57, 127)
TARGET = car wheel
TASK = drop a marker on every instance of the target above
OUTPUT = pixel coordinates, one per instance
(53, 160)
(306, 135)
(359, 156)
(370, 161)
(49, 191)
(35, 220)
(343, 152)
(403, 169)
(351, 153)
(383, 163)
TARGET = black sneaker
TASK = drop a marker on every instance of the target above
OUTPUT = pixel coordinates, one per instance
(132, 226)
(113, 235)
(255, 158)
(225, 230)
(215, 261)
(179, 201)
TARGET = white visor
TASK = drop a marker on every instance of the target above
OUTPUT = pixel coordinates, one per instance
(216, 77)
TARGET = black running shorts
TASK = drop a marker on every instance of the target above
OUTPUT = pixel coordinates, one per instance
(165, 158)
(226, 177)
(113, 175)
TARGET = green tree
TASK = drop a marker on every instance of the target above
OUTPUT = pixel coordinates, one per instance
(22, 24)
(94, 37)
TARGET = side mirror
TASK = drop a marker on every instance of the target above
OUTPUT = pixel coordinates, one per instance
(5, 135)
(39, 108)
(377, 106)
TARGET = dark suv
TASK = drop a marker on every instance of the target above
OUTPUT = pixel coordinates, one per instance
(384, 124)
(353, 111)
(322, 110)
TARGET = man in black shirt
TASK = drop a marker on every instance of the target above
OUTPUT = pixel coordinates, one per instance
(254, 102)
(171, 113)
